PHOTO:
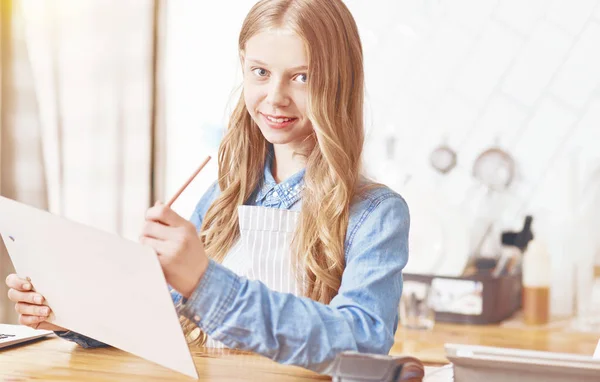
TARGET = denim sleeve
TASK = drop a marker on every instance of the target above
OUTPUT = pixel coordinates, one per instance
(296, 330)
(203, 204)
(196, 218)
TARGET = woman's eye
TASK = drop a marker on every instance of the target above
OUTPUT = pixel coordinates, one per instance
(302, 78)
(260, 72)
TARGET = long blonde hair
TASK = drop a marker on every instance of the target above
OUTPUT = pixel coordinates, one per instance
(335, 88)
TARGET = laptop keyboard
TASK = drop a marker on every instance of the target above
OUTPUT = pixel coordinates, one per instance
(5, 336)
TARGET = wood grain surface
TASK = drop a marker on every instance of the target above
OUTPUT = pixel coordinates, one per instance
(54, 359)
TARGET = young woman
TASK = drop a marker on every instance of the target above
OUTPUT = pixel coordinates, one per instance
(298, 256)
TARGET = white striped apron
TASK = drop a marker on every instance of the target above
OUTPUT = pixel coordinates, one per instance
(263, 250)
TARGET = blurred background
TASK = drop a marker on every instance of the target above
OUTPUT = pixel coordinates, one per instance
(479, 112)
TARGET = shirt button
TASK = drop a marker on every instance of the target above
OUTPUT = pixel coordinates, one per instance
(196, 318)
(275, 194)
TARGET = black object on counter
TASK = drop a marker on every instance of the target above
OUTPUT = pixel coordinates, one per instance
(361, 367)
(519, 239)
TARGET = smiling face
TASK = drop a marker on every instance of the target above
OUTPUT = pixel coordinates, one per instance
(275, 65)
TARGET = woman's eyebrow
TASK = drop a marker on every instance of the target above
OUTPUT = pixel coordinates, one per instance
(259, 62)
(301, 67)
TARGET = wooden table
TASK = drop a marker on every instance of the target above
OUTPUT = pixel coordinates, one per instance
(428, 346)
(54, 359)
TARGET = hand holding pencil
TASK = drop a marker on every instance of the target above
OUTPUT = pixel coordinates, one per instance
(176, 242)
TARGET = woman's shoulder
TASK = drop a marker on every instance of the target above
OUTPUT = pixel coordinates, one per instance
(370, 195)
(377, 208)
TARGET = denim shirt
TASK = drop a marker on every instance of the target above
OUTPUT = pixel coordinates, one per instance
(363, 316)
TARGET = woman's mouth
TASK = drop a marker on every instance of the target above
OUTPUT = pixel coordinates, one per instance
(278, 121)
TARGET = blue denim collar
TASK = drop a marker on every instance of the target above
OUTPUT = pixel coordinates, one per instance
(287, 192)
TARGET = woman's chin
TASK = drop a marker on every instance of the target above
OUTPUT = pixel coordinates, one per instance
(277, 137)
(285, 140)
(285, 136)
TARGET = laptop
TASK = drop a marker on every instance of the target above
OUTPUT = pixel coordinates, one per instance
(16, 334)
(97, 283)
(491, 364)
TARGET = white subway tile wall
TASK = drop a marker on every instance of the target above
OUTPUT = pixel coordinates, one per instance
(580, 75)
(587, 135)
(520, 17)
(481, 72)
(571, 16)
(536, 64)
(472, 15)
(433, 70)
(454, 118)
(502, 120)
(542, 138)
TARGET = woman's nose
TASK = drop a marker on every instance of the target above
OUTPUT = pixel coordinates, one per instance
(277, 95)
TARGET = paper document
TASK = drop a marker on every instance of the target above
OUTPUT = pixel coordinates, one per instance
(97, 284)
(439, 374)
